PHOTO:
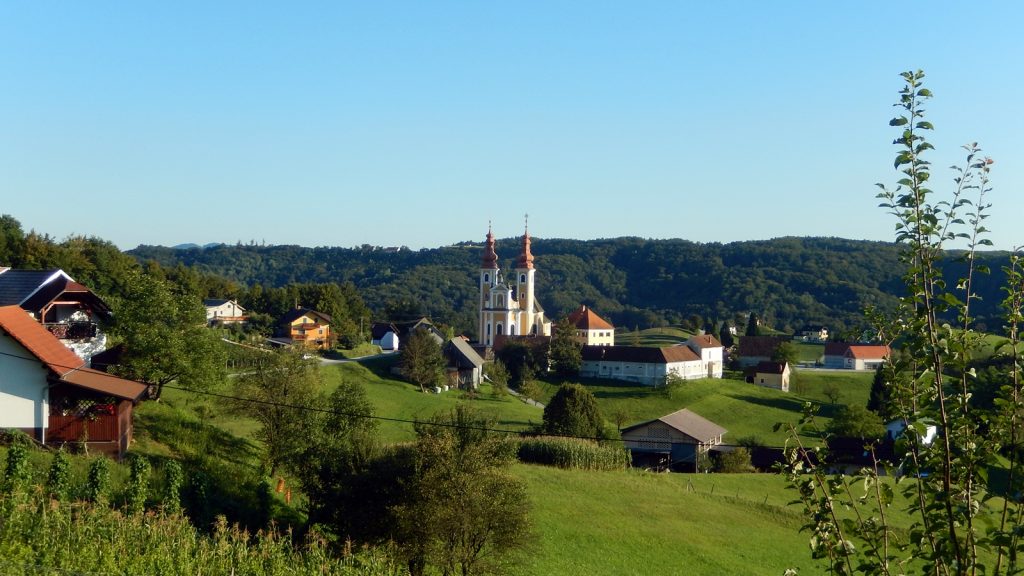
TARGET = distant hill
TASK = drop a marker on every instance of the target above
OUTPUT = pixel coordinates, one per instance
(789, 281)
(192, 246)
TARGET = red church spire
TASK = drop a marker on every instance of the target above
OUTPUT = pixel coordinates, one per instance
(490, 259)
(525, 257)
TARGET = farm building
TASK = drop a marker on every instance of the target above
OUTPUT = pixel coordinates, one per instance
(674, 441)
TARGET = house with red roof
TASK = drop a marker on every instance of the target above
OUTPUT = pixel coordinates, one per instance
(846, 356)
(640, 364)
(711, 353)
(591, 329)
(49, 392)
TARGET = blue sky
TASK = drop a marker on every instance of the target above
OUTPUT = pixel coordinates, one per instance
(415, 123)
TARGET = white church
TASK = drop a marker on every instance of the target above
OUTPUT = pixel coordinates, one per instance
(508, 306)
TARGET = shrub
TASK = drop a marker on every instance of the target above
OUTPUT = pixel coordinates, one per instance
(735, 462)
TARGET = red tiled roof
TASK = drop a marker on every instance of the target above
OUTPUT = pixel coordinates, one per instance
(868, 351)
(584, 318)
(770, 367)
(706, 341)
(639, 354)
(106, 383)
(38, 340)
(836, 348)
(759, 345)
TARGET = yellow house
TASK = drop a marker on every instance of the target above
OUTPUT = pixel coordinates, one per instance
(771, 375)
(307, 327)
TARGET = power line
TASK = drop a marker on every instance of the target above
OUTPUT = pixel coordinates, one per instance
(385, 418)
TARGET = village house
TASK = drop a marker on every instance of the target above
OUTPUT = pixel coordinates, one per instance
(813, 333)
(842, 355)
(390, 335)
(770, 375)
(50, 393)
(591, 329)
(220, 311)
(67, 309)
(675, 441)
(305, 327)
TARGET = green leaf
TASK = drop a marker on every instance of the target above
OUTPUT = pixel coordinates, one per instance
(900, 121)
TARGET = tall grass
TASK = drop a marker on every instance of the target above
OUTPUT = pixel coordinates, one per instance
(573, 453)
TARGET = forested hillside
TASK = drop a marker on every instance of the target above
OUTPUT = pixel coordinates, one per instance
(631, 281)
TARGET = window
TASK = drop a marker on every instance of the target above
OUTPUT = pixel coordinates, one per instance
(487, 277)
(522, 278)
(512, 329)
(488, 328)
(499, 329)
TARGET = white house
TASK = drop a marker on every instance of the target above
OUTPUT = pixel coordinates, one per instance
(711, 353)
(591, 329)
(643, 365)
(846, 356)
(221, 311)
(385, 335)
(51, 394)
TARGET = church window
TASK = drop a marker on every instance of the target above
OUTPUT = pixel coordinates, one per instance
(501, 300)
(522, 278)
(512, 329)
(487, 277)
(499, 330)
(488, 328)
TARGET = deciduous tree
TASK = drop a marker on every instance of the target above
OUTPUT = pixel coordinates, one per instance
(421, 359)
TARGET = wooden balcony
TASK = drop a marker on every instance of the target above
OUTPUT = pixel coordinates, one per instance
(72, 330)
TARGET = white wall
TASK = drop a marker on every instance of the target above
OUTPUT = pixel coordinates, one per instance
(23, 390)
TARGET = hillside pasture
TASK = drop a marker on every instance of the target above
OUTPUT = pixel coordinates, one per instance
(394, 398)
(633, 522)
(743, 409)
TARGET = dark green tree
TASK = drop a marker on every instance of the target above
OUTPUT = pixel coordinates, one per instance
(573, 411)
(878, 397)
(752, 326)
(725, 335)
(566, 350)
(857, 422)
(786, 352)
(421, 359)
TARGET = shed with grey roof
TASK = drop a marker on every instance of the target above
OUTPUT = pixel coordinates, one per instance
(675, 441)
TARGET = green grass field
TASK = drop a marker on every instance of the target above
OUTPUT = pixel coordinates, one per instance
(653, 337)
(395, 398)
(642, 523)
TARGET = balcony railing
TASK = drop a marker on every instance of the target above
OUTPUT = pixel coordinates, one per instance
(72, 330)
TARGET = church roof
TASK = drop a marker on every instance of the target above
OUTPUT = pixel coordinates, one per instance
(490, 257)
(584, 318)
(525, 256)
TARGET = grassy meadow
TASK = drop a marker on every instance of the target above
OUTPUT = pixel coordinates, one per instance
(743, 409)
